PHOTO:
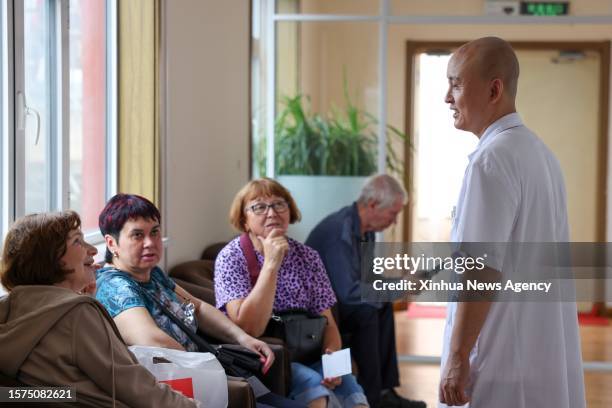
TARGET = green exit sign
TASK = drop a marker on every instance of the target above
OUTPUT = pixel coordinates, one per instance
(544, 8)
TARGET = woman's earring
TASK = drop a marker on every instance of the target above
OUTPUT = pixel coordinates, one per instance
(115, 254)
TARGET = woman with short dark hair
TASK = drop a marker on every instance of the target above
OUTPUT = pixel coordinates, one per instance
(51, 334)
(131, 227)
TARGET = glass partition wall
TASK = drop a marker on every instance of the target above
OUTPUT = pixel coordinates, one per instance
(317, 105)
(314, 59)
(318, 49)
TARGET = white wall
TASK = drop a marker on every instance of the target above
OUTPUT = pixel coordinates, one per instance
(207, 120)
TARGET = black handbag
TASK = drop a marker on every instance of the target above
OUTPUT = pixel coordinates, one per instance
(241, 356)
(302, 333)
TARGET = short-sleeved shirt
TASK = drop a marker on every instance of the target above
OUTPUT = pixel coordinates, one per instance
(302, 281)
(513, 191)
(118, 292)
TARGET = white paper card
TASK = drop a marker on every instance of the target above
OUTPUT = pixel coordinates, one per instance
(337, 364)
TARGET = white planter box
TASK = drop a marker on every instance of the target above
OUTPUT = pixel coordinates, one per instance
(319, 196)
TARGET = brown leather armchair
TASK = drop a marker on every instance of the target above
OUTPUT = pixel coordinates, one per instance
(197, 277)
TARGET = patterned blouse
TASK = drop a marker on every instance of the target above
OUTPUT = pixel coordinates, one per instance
(118, 292)
(302, 280)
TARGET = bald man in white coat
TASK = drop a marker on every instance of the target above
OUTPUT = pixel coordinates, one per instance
(506, 354)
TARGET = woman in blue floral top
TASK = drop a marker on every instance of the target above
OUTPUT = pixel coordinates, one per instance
(131, 227)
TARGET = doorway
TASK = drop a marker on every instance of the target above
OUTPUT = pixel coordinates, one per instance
(563, 98)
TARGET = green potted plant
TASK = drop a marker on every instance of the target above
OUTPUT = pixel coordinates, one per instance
(341, 143)
(324, 159)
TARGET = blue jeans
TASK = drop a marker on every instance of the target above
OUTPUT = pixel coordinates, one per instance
(306, 386)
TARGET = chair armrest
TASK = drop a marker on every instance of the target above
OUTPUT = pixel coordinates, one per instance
(239, 393)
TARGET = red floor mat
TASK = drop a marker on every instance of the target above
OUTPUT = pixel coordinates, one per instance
(426, 311)
(588, 319)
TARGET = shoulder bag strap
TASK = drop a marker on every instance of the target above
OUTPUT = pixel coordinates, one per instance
(249, 253)
(226, 361)
(202, 344)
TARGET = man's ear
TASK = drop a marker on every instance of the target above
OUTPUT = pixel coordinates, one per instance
(496, 89)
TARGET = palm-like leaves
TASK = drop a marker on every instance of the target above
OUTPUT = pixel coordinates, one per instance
(339, 144)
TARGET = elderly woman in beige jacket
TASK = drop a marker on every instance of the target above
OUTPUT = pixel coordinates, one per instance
(53, 334)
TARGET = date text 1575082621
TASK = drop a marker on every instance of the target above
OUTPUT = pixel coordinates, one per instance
(33, 394)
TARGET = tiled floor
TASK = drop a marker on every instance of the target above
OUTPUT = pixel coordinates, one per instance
(422, 336)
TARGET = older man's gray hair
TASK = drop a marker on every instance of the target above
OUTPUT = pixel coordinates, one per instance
(382, 189)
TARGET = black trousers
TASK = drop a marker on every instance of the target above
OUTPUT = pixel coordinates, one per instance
(371, 335)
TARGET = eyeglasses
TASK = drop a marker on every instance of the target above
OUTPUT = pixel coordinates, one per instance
(279, 207)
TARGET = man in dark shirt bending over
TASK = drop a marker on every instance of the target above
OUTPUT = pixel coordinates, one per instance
(370, 326)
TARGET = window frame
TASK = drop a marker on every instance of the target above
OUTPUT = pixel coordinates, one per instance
(7, 115)
(12, 150)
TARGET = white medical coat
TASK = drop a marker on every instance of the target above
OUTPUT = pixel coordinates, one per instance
(528, 353)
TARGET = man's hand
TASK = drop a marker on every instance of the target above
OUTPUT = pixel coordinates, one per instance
(455, 377)
(266, 355)
(469, 319)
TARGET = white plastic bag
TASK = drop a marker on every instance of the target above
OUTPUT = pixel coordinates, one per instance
(197, 375)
